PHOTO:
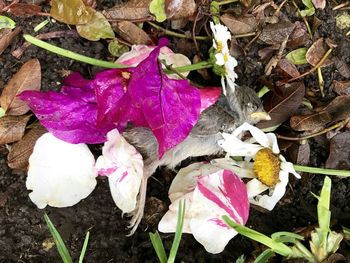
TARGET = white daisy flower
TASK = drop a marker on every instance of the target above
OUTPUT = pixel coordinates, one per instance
(268, 169)
(223, 58)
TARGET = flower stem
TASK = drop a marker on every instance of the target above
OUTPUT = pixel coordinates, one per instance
(316, 170)
(70, 54)
(102, 63)
(175, 34)
(225, 2)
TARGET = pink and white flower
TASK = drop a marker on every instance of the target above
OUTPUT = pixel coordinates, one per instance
(123, 165)
(210, 192)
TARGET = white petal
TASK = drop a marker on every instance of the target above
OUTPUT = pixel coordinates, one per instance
(219, 59)
(243, 169)
(288, 167)
(168, 222)
(255, 187)
(123, 165)
(258, 134)
(273, 144)
(218, 194)
(269, 201)
(186, 179)
(60, 174)
(235, 147)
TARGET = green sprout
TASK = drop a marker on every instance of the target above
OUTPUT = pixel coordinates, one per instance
(157, 240)
(323, 243)
(61, 247)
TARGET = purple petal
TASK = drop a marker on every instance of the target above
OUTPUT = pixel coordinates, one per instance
(209, 96)
(69, 118)
(171, 107)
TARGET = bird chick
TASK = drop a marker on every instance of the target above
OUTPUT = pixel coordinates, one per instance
(228, 113)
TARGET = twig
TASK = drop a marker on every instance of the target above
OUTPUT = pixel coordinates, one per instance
(225, 2)
(334, 126)
(340, 6)
(175, 34)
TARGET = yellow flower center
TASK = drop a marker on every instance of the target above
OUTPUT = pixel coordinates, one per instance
(267, 167)
(225, 57)
(220, 46)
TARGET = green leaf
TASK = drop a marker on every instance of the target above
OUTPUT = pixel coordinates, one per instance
(308, 3)
(61, 247)
(346, 233)
(277, 247)
(286, 237)
(83, 250)
(323, 213)
(178, 233)
(116, 48)
(240, 259)
(307, 12)
(98, 27)
(6, 22)
(297, 57)
(157, 8)
(72, 12)
(264, 256)
(158, 246)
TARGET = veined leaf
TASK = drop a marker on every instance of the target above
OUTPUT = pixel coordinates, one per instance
(297, 56)
(157, 8)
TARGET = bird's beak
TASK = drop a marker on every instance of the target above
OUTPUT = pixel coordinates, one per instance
(260, 116)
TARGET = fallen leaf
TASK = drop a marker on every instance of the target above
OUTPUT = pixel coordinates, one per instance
(6, 37)
(130, 10)
(21, 150)
(316, 52)
(310, 122)
(299, 153)
(339, 152)
(116, 48)
(27, 78)
(157, 8)
(179, 9)
(288, 68)
(299, 36)
(12, 128)
(6, 22)
(309, 10)
(98, 27)
(319, 4)
(297, 57)
(24, 10)
(342, 67)
(72, 12)
(341, 87)
(281, 107)
(276, 33)
(131, 33)
(338, 109)
(241, 25)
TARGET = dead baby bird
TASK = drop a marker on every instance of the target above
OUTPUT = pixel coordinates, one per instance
(229, 112)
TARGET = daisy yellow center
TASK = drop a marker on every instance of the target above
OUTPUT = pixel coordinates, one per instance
(267, 167)
(220, 46)
(225, 57)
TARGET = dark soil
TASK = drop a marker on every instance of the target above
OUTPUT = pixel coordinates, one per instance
(23, 230)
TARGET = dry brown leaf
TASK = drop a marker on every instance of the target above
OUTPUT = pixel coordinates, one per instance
(21, 150)
(299, 153)
(27, 78)
(12, 128)
(342, 67)
(131, 33)
(130, 10)
(241, 25)
(339, 152)
(316, 52)
(288, 69)
(298, 37)
(6, 37)
(24, 10)
(276, 33)
(177, 9)
(281, 107)
(341, 87)
(337, 110)
(310, 122)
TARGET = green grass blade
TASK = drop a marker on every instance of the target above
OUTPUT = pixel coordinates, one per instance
(264, 256)
(178, 233)
(83, 250)
(158, 246)
(286, 237)
(61, 247)
(277, 247)
(323, 212)
(70, 54)
(241, 259)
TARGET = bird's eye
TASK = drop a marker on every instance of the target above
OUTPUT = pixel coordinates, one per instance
(250, 105)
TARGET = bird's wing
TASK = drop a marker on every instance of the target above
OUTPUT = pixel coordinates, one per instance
(212, 121)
